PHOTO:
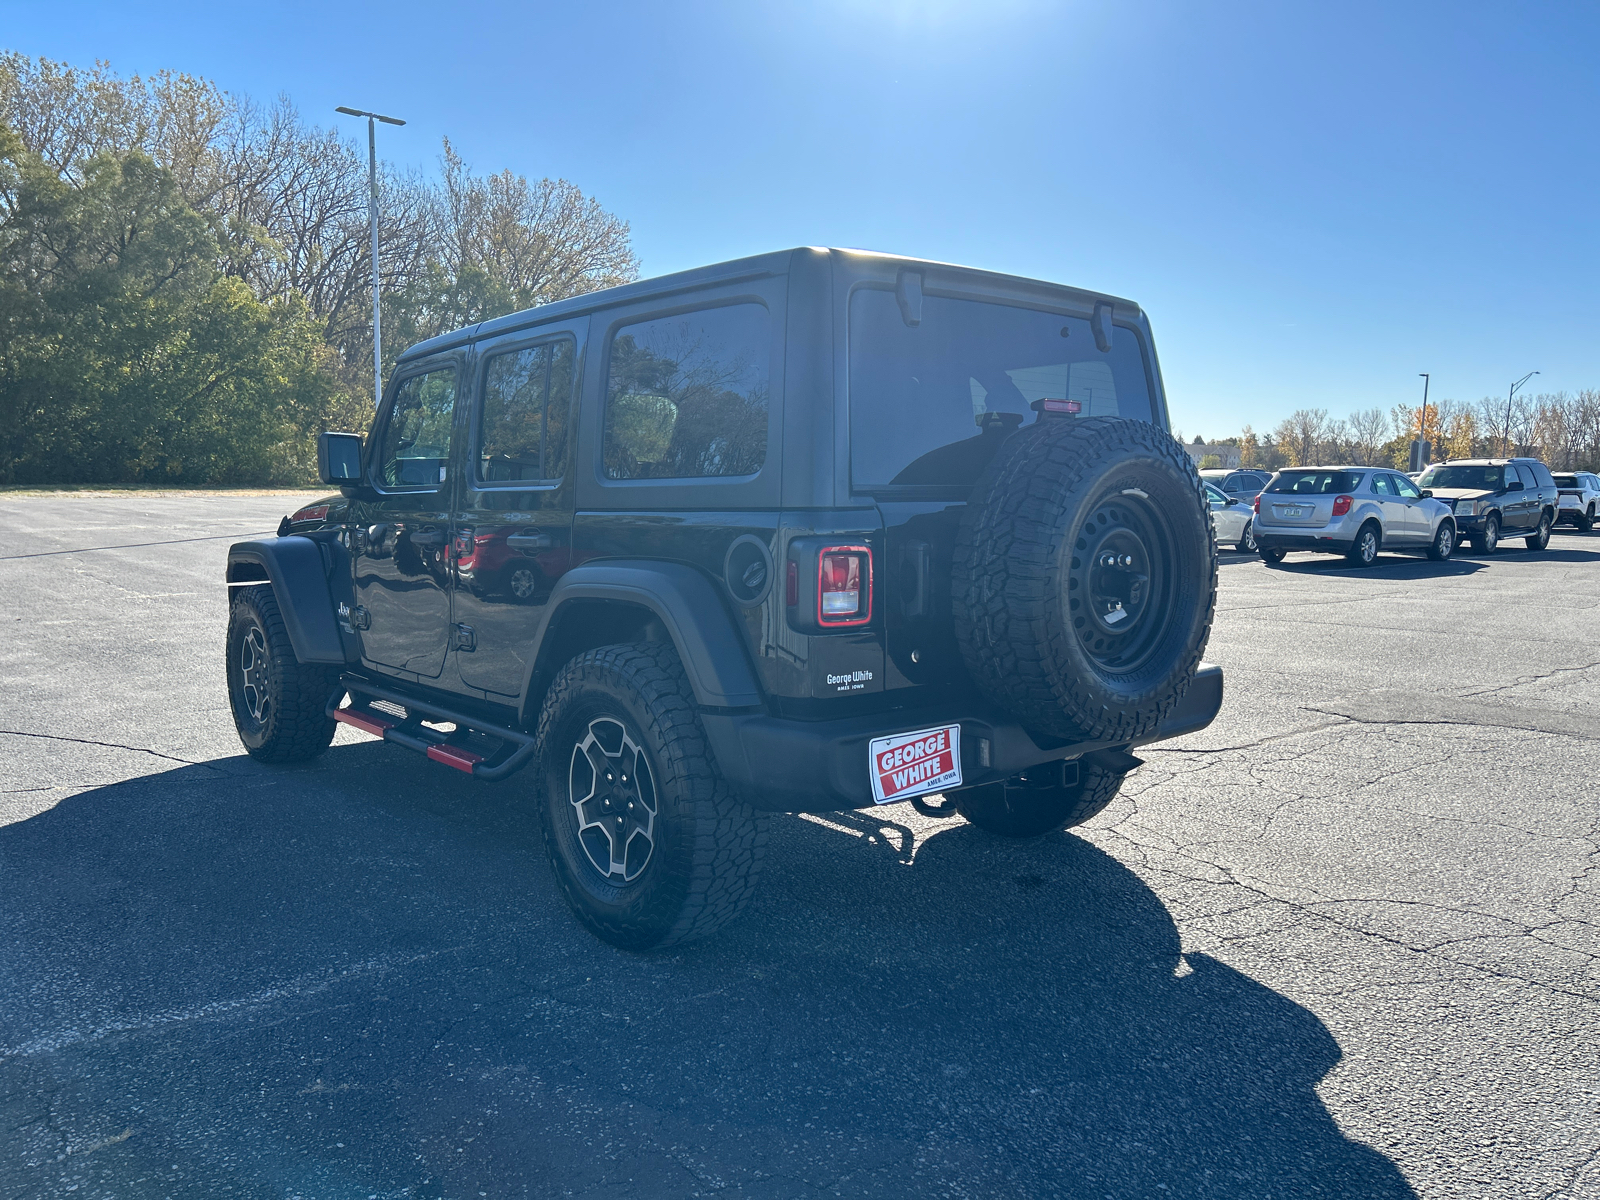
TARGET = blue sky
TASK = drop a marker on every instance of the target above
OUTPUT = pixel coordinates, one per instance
(1313, 203)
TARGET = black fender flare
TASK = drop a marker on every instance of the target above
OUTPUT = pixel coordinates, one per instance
(294, 567)
(688, 606)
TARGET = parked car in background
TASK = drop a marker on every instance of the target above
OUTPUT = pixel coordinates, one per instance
(1577, 496)
(1242, 482)
(1231, 520)
(1353, 511)
(1493, 498)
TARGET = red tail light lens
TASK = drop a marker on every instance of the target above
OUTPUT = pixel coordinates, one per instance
(1256, 504)
(1341, 505)
(844, 586)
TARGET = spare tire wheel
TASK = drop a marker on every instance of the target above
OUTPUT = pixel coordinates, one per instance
(1085, 577)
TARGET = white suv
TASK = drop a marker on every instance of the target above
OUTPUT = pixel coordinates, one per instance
(1579, 496)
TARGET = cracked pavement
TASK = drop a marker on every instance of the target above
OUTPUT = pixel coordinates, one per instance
(1345, 942)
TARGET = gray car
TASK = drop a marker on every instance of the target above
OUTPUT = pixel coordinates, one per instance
(1353, 511)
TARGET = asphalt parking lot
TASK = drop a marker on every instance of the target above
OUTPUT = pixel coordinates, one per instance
(1346, 942)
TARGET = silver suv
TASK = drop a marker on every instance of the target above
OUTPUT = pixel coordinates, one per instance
(1353, 511)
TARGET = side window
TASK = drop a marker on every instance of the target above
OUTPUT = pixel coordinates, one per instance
(527, 395)
(415, 449)
(1542, 474)
(1528, 481)
(1406, 488)
(1380, 484)
(1217, 499)
(1235, 483)
(686, 396)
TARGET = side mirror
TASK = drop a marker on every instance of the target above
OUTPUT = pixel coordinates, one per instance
(339, 458)
(1514, 486)
(1427, 493)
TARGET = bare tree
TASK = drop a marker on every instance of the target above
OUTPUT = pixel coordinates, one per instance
(1368, 432)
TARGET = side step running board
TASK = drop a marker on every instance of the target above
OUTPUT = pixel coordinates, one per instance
(452, 749)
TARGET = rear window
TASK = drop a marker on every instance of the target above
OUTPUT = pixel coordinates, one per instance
(1315, 483)
(931, 403)
(1567, 481)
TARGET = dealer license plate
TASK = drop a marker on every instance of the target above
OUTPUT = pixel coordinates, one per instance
(913, 764)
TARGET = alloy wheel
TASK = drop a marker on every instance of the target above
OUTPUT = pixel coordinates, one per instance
(254, 681)
(1445, 542)
(613, 797)
(524, 582)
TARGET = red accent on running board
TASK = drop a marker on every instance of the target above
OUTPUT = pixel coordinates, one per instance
(454, 756)
(367, 722)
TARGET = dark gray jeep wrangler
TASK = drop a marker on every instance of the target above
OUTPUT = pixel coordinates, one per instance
(811, 531)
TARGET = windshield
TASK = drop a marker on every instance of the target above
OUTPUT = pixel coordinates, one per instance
(1315, 483)
(931, 403)
(1467, 479)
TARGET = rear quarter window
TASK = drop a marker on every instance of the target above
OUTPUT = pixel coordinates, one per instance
(687, 395)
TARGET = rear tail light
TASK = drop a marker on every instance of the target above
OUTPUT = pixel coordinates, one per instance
(1341, 505)
(315, 512)
(844, 586)
(1256, 504)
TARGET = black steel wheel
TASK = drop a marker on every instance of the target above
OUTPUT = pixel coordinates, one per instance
(1540, 539)
(279, 703)
(649, 845)
(1037, 802)
(1364, 550)
(1444, 542)
(1084, 577)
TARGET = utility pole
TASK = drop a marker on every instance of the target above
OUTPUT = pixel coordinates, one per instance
(1510, 394)
(1421, 451)
(372, 214)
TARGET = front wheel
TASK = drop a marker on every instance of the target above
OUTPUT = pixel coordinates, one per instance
(279, 703)
(1037, 802)
(1541, 536)
(649, 845)
(1488, 541)
(1364, 550)
(1444, 542)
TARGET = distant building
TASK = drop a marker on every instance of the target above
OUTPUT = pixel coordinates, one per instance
(1227, 453)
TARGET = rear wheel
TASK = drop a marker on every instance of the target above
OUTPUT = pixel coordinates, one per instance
(1541, 536)
(1488, 541)
(1444, 542)
(1037, 802)
(1585, 521)
(649, 845)
(1247, 543)
(1272, 557)
(279, 703)
(1364, 550)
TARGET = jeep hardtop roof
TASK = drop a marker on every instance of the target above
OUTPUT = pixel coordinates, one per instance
(755, 266)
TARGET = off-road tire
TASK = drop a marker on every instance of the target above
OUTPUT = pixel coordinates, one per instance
(1368, 544)
(286, 719)
(1025, 808)
(1541, 537)
(1025, 588)
(707, 844)
(1444, 542)
(1271, 555)
(1488, 541)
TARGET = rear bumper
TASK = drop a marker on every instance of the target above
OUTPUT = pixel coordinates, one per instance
(822, 766)
(1324, 542)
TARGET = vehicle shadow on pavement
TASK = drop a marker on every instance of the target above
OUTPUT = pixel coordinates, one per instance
(1387, 566)
(358, 978)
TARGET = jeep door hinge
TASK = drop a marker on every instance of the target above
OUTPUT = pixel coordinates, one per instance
(465, 638)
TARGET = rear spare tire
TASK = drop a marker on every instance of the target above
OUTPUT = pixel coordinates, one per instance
(1085, 577)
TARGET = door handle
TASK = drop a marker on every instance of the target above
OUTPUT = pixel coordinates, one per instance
(530, 541)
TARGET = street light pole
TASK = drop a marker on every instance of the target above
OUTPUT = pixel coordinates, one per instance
(372, 215)
(1510, 394)
(1423, 449)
